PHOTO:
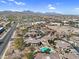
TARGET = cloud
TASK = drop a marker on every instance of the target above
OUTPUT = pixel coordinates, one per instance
(59, 12)
(3, 1)
(77, 8)
(13, 10)
(17, 3)
(51, 7)
(11, 0)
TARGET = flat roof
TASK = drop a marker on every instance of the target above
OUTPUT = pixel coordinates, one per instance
(33, 40)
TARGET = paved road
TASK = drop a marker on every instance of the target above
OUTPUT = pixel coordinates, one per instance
(73, 45)
(76, 48)
(6, 39)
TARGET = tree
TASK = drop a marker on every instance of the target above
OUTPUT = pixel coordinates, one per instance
(29, 55)
(71, 23)
(19, 43)
(24, 30)
(10, 18)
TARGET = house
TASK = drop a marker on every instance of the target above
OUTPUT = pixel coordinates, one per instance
(65, 23)
(4, 18)
(76, 23)
(54, 24)
(33, 41)
(4, 24)
(34, 33)
(39, 22)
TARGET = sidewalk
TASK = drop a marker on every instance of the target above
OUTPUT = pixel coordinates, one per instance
(6, 50)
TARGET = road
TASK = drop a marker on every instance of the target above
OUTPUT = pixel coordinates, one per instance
(76, 48)
(6, 39)
(73, 45)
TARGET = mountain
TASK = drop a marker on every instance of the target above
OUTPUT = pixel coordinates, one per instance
(29, 12)
(52, 13)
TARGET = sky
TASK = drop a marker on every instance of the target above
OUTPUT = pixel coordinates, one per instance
(58, 6)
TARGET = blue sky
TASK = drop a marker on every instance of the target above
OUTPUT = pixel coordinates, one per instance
(59, 6)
